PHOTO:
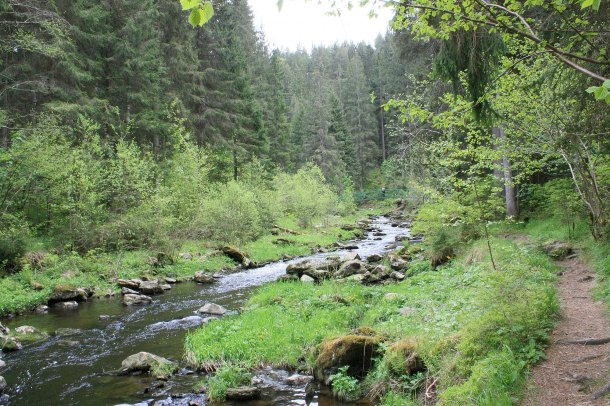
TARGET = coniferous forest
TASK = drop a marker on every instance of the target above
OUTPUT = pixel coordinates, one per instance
(417, 221)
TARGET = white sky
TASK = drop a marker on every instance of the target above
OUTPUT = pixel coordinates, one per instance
(305, 24)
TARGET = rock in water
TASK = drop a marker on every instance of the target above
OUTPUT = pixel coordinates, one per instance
(150, 287)
(158, 366)
(203, 277)
(65, 293)
(2, 384)
(130, 299)
(10, 344)
(242, 393)
(351, 268)
(212, 308)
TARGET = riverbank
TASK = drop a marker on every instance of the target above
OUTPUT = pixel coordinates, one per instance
(45, 271)
(463, 333)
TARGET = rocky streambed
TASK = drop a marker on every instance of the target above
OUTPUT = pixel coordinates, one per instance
(78, 357)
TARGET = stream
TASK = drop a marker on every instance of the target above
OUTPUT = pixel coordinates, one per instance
(72, 368)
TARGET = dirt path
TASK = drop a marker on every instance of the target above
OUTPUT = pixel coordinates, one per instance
(573, 372)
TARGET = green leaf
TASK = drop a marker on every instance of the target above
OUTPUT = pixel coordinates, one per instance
(196, 17)
(189, 4)
(596, 4)
(592, 89)
(608, 98)
(601, 93)
(607, 84)
(586, 3)
(208, 12)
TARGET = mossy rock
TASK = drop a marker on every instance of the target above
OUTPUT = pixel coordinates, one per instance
(558, 250)
(402, 358)
(10, 344)
(355, 351)
(29, 334)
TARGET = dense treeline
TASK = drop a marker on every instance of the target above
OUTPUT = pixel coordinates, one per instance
(113, 114)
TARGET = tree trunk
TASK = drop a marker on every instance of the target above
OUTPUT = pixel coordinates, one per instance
(5, 139)
(505, 175)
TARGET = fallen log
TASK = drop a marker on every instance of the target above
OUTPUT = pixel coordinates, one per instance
(286, 230)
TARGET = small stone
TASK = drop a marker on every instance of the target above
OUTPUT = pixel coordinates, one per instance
(186, 256)
(170, 280)
(212, 308)
(104, 317)
(129, 283)
(128, 291)
(307, 279)
(166, 286)
(392, 296)
(407, 311)
(397, 276)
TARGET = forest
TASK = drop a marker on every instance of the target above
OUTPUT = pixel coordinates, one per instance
(444, 188)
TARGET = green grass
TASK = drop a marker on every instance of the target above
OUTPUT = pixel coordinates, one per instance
(477, 329)
(97, 269)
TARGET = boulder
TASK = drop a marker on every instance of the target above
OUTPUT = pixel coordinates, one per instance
(298, 380)
(70, 305)
(558, 250)
(298, 269)
(351, 256)
(159, 367)
(381, 270)
(30, 334)
(238, 256)
(397, 263)
(203, 277)
(307, 279)
(2, 384)
(40, 309)
(129, 283)
(356, 278)
(131, 300)
(150, 287)
(351, 268)
(243, 393)
(63, 293)
(128, 291)
(355, 351)
(317, 274)
(212, 308)
(165, 286)
(10, 344)
(397, 276)
(374, 258)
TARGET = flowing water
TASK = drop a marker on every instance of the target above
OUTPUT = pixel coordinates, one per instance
(73, 367)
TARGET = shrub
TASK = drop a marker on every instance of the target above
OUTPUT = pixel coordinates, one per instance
(344, 386)
(230, 214)
(13, 235)
(226, 377)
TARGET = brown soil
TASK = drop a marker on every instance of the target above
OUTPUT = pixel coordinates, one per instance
(571, 373)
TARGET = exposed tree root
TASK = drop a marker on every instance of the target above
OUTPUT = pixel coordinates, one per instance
(601, 392)
(586, 341)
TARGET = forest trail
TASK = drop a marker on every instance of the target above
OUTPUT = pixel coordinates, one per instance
(572, 373)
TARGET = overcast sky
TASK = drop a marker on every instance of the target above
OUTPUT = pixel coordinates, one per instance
(306, 24)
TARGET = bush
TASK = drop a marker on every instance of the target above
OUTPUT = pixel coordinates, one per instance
(306, 195)
(344, 386)
(230, 214)
(13, 235)
(226, 377)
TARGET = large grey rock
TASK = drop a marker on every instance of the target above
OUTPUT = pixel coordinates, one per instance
(203, 277)
(158, 366)
(2, 363)
(30, 334)
(129, 291)
(129, 283)
(238, 256)
(351, 256)
(131, 300)
(306, 266)
(212, 308)
(170, 280)
(10, 344)
(65, 293)
(351, 268)
(374, 258)
(2, 384)
(398, 276)
(41, 309)
(150, 287)
(243, 393)
(397, 263)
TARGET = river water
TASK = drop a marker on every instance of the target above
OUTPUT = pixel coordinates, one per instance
(73, 368)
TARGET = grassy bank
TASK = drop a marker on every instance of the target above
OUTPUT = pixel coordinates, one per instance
(476, 329)
(44, 270)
